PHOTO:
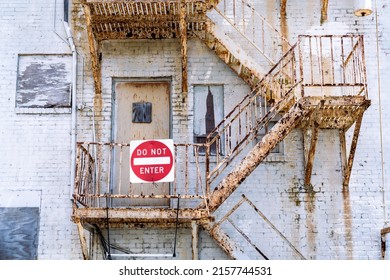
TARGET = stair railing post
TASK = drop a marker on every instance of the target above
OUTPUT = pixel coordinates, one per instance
(301, 65)
(207, 183)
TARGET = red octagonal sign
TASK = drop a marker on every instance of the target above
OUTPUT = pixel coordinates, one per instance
(151, 161)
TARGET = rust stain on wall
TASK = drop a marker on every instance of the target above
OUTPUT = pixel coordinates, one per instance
(283, 24)
(347, 223)
(310, 219)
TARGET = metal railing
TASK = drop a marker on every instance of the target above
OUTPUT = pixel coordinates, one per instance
(102, 171)
(253, 114)
(330, 61)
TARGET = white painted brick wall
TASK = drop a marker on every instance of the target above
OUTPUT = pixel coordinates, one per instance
(35, 148)
(323, 224)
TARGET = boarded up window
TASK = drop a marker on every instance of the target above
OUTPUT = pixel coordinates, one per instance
(208, 111)
(19, 233)
(44, 81)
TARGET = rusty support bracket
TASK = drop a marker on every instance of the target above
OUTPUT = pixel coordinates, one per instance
(384, 231)
(83, 240)
(283, 7)
(324, 10)
(183, 41)
(311, 133)
(343, 151)
(94, 51)
(349, 163)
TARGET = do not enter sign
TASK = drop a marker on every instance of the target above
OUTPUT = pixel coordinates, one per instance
(151, 161)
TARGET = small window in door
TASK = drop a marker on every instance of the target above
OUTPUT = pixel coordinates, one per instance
(142, 112)
(208, 112)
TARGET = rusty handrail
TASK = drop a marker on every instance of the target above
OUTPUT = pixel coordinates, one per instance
(97, 178)
(253, 113)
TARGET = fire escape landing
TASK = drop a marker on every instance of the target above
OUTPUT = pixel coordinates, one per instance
(318, 83)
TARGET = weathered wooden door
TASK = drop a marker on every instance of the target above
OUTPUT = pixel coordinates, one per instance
(142, 112)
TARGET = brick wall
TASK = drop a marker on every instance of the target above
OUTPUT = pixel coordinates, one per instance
(321, 222)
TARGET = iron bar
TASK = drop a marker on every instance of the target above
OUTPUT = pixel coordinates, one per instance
(177, 223)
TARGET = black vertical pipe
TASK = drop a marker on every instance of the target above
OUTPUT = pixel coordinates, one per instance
(177, 224)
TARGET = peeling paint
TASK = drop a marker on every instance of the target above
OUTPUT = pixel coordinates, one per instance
(44, 81)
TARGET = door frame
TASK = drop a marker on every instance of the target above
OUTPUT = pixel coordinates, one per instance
(145, 80)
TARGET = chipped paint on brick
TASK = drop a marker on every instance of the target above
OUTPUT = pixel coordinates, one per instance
(44, 81)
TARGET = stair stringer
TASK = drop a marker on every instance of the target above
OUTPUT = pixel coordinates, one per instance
(258, 153)
(225, 242)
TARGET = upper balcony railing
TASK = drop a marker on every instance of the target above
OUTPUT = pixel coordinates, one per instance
(332, 65)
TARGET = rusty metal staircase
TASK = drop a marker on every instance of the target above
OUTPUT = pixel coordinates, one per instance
(329, 91)
(319, 83)
(243, 39)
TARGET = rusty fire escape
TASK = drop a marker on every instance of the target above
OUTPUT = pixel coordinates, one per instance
(319, 82)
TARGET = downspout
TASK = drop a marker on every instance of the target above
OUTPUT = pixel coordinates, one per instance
(74, 100)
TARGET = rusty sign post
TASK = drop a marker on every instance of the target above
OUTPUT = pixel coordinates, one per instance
(151, 161)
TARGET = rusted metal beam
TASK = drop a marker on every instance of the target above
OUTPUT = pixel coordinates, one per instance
(225, 242)
(310, 145)
(324, 11)
(338, 100)
(151, 19)
(209, 2)
(384, 231)
(343, 151)
(83, 240)
(94, 51)
(284, 25)
(283, 8)
(242, 170)
(312, 134)
(352, 151)
(212, 3)
(183, 41)
(139, 215)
